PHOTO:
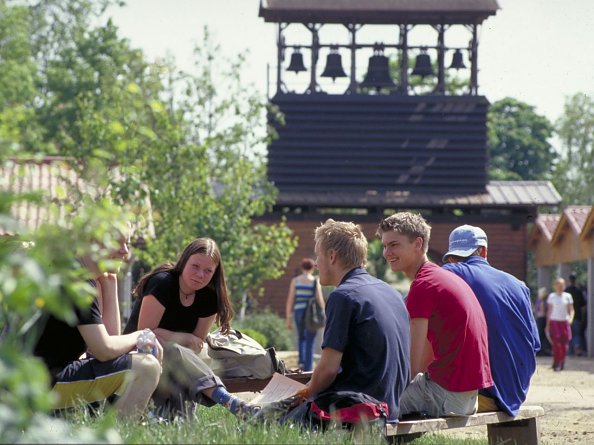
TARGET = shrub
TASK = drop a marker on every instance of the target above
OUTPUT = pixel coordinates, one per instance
(271, 326)
(256, 335)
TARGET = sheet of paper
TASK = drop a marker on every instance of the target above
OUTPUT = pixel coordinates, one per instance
(279, 388)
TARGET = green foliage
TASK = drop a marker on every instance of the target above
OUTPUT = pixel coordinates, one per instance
(575, 128)
(455, 85)
(518, 141)
(376, 263)
(192, 143)
(18, 77)
(273, 327)
(217, 425)
(256, 335)
(39, 274)
(71, 86)
(218, 183)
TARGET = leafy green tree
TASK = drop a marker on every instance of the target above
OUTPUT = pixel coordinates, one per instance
(18, 78)
(575, 128)
(376, 263)
(455, 84)
(518, 139)
(137, 130)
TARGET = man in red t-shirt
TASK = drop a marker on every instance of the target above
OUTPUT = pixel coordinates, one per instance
(449, 351)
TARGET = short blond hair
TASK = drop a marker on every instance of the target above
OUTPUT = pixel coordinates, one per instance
(344, 238)
(411, 225)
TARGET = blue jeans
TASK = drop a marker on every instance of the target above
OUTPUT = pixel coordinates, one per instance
(578, 341)
(305, 341)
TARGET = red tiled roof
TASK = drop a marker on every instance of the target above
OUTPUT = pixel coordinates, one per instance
(51, 176)
(576, 216)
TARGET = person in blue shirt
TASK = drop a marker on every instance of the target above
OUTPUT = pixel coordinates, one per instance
(512, 332)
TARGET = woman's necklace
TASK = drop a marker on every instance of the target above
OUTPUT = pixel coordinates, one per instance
(185, 296)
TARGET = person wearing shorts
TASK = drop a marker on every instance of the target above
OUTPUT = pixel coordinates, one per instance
(449, 353)
(88, 365)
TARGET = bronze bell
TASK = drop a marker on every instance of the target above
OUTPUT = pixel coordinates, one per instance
(457, 60)
(423, 66)
(296, 64)
(378, 73)
(333, 66)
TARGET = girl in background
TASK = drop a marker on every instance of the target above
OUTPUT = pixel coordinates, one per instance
(559, 317)
(303, 287)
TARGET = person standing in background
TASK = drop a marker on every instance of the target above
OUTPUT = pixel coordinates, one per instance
(579, 306)
(303, 288)
(559, 318)
(540, 315)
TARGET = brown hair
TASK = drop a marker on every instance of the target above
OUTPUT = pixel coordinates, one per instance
(411, 225)
(307, 264)
(205, 246)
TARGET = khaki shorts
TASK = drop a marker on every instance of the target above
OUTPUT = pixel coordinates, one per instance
(426, 397)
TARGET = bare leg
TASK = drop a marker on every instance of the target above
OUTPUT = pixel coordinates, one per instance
(146, 371)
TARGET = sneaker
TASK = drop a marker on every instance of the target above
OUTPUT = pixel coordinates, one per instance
(275, 410)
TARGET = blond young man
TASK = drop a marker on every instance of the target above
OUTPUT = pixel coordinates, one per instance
(366, 337)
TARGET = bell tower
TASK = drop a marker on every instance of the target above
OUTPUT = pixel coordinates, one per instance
(381, 111)
(370, 105)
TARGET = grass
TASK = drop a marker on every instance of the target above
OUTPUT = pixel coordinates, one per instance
(217, 426)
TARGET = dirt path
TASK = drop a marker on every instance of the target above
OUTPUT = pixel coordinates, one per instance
(567, 398)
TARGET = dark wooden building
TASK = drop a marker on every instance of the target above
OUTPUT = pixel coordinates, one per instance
(394, 137)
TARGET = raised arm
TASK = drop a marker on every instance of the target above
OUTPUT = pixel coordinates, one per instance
(107, 292)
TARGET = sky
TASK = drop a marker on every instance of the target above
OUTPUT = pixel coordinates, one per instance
(537, 51)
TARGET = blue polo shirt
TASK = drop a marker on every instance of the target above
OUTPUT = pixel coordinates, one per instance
(367, 321)
(513, 336)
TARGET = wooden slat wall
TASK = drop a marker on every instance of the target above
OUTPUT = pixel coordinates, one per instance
(430, 144)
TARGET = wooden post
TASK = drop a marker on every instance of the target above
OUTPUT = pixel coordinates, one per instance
(523, 432)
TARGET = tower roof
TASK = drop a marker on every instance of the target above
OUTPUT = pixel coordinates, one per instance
(378, 11)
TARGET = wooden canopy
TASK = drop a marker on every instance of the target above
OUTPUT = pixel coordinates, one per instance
(378, 11)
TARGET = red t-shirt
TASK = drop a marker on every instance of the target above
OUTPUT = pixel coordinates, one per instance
(457, 329)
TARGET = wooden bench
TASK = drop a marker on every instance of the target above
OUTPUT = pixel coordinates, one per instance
(246, 384)
(501, 428)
